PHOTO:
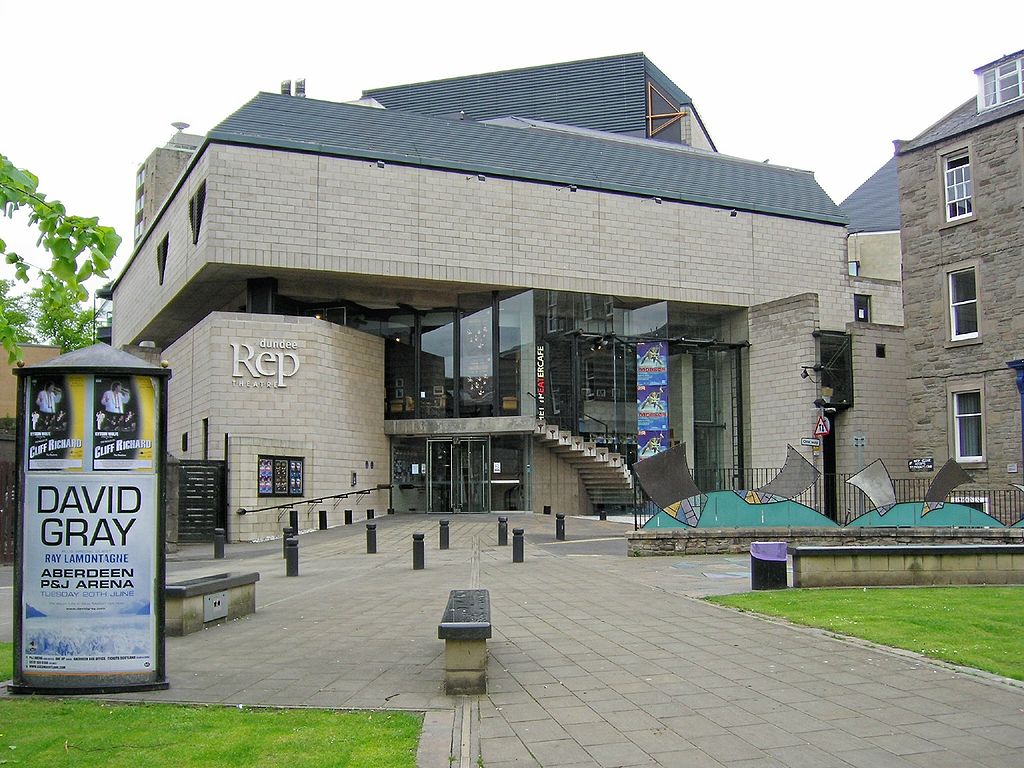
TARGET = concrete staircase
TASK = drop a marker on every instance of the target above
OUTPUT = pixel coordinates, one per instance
(605, 475)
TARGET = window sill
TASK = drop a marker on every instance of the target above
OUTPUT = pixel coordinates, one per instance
(953, 343)
(957, 222)
(973, 463)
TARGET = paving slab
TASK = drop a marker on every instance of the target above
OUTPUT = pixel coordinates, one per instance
(596, 659)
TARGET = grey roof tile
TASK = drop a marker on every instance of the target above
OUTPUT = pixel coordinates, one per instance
(645, 167)
(607, 94)
(961, 120)
(875, 205)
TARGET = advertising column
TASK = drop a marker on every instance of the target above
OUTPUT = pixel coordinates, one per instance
(89, 600)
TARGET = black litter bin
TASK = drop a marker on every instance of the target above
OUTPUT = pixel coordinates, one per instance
(768, 565)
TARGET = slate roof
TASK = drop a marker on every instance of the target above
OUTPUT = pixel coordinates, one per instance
(646, 167)
(875, 205)
(606, 94)
(963, 119)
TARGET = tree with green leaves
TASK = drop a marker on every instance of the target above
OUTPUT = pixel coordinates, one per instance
(80, 247)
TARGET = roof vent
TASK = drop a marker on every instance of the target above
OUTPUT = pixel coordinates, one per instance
(300, 88)
(286, 87)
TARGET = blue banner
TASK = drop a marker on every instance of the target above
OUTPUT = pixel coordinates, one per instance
(651, 398)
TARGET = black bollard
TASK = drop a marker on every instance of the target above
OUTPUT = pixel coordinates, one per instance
(323, 519)
(517, 545)
(287, 532)
(547, 509)
(418, 557)
(291, 550)
(293, 520)
(442, 534)
(369, 514)
(560, 526)
(348, 517)
(371, 538)
(502, 531)
(218, 543)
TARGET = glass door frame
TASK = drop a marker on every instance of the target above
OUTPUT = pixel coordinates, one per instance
(465, 493)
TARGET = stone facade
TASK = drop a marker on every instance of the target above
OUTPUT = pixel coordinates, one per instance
(315, 221)
(317, 218)
(329, 412)
(991, 241)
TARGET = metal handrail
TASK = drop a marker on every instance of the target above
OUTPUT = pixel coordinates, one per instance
(336, 497)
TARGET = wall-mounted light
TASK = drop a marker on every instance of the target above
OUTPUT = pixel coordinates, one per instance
(732, 213)
(380, 163)
(572, 187)
(657, 200)
(804, 370)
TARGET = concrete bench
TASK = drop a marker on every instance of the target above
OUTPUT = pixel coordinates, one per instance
(465, 628)
(195, 604)
(895, 565)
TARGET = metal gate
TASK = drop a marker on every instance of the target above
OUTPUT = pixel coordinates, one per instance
(8, 511)
(202, 496)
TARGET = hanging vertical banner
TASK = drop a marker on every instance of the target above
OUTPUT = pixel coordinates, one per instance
(125, 422)
(651, 398)
(57, 423)
(542, 389)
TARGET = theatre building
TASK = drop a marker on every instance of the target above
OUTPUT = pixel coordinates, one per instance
(496, 293)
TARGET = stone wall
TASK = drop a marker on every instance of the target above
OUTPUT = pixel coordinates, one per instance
(716, 541)
(991, 241)
(329, 412)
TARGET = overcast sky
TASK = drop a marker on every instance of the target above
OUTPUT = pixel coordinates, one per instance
(91, 88)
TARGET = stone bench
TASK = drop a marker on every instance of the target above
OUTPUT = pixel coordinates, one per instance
(195, 604)
(896, 565)
(465, 628)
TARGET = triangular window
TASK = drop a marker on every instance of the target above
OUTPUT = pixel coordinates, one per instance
(195, 211)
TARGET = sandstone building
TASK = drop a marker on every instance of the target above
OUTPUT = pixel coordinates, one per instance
(444, 296)
(961, 187)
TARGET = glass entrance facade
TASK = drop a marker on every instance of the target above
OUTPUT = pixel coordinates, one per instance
(570, 359)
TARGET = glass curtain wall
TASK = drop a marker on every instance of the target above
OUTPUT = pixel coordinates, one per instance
(465, 363)
(590, 344)
(476, 356)
(436, 365)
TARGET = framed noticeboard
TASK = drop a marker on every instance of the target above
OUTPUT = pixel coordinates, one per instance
(280, 475)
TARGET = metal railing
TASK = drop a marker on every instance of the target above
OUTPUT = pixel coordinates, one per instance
(8, 513)
(1005, 505)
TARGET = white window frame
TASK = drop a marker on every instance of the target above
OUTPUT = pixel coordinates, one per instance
(958, 185)
(957, 416)
(1001, 84)
(954, 306)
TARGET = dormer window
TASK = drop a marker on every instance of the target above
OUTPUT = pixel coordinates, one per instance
(1001, 81)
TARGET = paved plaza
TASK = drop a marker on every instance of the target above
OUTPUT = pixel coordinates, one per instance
(597, 659)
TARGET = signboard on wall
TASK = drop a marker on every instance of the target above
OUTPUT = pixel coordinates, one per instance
(652, 394)
(280, 475)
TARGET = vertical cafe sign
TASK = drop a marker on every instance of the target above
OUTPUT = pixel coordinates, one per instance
(651, 398)
(89, 582)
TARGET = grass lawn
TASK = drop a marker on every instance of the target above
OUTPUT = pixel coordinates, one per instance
(91, 734)
(980, 627)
